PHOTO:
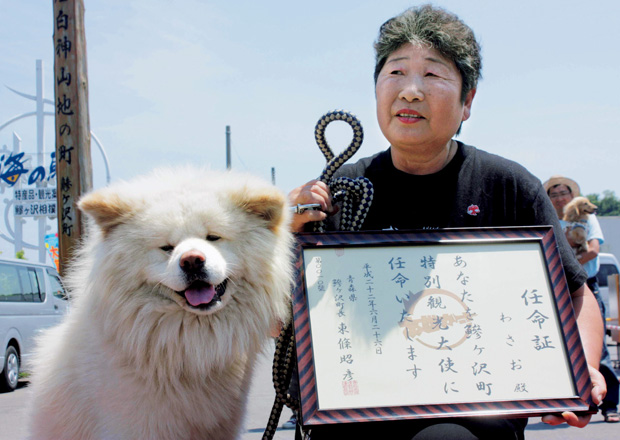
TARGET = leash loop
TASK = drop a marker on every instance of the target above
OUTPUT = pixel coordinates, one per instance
(335, 162)
(355, 194)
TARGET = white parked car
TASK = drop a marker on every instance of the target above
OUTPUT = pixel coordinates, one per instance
(31, 299)
(609, 266)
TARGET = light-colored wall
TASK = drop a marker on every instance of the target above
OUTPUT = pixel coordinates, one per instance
(611, 231)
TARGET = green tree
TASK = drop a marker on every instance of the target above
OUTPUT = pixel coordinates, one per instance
(20, 255)
(607, 205)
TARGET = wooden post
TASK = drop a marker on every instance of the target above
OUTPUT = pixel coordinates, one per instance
(73, 159)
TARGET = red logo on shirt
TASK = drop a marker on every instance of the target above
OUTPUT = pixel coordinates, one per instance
(473, 210)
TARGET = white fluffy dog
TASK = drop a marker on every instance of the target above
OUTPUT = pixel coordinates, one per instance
(174, 293)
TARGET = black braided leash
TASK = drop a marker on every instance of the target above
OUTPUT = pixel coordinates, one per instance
(282, 371)
(356, 196)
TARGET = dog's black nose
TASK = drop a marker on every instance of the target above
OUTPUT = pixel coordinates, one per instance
(192, 261)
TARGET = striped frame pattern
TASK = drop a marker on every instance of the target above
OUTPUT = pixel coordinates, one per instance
(312, 415)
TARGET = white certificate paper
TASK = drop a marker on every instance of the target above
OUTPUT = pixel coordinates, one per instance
(422, 325)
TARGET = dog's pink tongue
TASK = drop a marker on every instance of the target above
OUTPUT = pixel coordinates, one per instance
(200, 295)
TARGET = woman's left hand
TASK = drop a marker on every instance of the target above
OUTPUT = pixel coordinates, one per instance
(599, 389)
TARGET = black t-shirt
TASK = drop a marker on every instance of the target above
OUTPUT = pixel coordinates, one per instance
(407, 201)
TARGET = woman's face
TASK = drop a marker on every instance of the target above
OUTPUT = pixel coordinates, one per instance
(419, 106)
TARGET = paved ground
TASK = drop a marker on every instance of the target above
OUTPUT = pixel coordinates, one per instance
(13, 410)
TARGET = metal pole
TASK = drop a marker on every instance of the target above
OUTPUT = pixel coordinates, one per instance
(228, 165)
(19, 223)
(273, 175)
(41, 155)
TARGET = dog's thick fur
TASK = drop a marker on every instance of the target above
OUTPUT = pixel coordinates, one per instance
(135, 359)
(576, 213)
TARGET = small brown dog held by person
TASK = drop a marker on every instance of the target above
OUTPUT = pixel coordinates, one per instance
(576, 214)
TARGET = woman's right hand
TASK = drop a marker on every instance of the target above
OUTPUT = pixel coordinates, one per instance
(314, 191)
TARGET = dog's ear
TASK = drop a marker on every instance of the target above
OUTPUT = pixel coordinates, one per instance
(107, 208)
(569, 211)
(266, 203)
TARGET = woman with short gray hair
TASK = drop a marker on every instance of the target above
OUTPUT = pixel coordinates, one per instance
(427, 70)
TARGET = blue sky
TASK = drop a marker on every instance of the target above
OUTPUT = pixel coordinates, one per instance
(165, 78)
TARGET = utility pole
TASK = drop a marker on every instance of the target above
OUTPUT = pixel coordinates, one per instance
(273, 175)
(228, 161)
(72, 127)
(41, 153)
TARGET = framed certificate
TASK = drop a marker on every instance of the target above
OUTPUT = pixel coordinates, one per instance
(396, 325)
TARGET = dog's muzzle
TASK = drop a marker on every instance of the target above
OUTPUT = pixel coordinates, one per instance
(199, 293)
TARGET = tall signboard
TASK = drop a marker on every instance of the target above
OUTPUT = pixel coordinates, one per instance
(73, 158)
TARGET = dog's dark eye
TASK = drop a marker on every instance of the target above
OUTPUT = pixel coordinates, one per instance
(167, 249)
(212, 237)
